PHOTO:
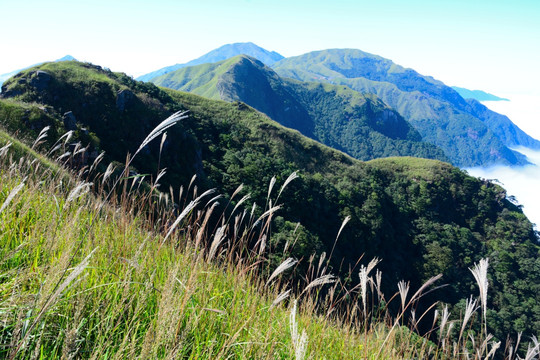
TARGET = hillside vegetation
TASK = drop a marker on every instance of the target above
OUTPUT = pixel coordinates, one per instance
(359, 125)
(437, 111)
(82, 278)
(422, 217)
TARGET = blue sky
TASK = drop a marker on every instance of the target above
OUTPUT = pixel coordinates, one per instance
(490, 45)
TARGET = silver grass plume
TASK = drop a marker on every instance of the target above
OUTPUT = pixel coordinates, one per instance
(266, 213)
(364, 277)
(322, 280)
(160, 129)
(403, 291)
(163, 138)
(470, 308)
(479, 272)
(445, 315)
(185, 212)
(11, 195)
(494, 347)
(242, 200)
(270, 187)
(291, 177)
(97, 160)
(280, 298)
(108, 172)
(345, 221)
(284, 266)
(218, 239)
(64, 155)
(4, 149)
(42, 135)
(80, 190)
(76, 272)
(299, 343)
(532, 351)
(161, 173)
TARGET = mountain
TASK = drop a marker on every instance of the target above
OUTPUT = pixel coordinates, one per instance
(422, 217)
(222, 53)
(478, 95)
(4, 77)
(360, 125)
(502, 126)
(437, 111)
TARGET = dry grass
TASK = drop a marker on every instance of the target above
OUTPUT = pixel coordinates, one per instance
(103, 274)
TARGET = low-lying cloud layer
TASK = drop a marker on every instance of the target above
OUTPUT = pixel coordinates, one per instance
(523, 182)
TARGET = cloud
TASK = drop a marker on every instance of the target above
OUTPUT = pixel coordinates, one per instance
(523, 182)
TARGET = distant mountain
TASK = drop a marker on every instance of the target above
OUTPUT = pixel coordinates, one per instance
(360, 125)
(437, 111)
(6, 76)
(502, 126)
(477, 94)
(222, 53)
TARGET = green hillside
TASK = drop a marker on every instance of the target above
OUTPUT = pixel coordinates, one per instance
(437, 111)
(88, 279)
(360, 125)
(422, 217)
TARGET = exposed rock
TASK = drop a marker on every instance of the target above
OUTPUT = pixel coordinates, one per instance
(40, 80)
(123, 98)
(70, 121)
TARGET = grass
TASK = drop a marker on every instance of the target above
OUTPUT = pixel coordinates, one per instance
(135, 297)
(82, 277)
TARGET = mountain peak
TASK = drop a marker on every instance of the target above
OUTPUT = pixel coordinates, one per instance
(66, 58)
(222, 53)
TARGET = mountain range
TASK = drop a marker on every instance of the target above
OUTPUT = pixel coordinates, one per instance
(468, 133)
(358, 124)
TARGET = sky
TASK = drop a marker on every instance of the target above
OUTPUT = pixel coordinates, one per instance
(492, 45)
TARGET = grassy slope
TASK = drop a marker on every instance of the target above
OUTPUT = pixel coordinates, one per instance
(199, 79)
(437, 112)
(427, 220)
(139, 297)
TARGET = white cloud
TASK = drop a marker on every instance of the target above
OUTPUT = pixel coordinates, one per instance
(523, 182)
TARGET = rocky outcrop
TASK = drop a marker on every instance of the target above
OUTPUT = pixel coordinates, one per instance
(123, 99)
(40, 80)
(70, 121)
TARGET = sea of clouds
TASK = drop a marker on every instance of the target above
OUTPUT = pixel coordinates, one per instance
(522, 182)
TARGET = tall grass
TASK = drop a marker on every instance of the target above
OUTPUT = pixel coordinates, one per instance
(119, 272)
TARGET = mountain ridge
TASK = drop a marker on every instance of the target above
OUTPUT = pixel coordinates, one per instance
(222, 53)
(360, 125)
(437, 111)
(478, 95)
